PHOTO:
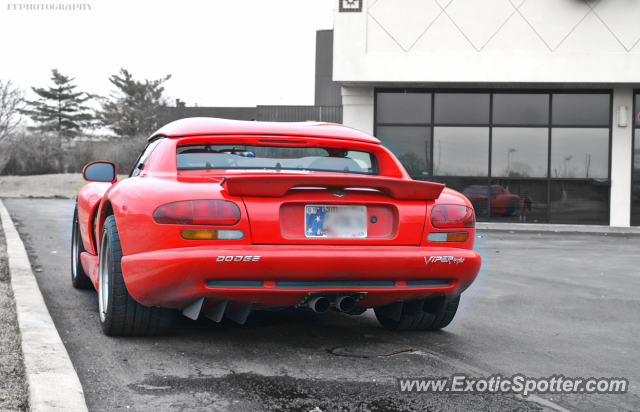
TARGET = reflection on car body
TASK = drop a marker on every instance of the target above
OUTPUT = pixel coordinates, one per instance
(502, 201)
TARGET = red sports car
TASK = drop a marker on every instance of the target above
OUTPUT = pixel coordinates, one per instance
(223, 217)
(502, 201)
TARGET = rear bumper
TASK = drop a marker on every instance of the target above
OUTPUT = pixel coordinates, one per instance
(274, 276)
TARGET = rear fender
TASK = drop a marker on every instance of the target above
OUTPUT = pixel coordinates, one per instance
(104, 211)
(89, 200)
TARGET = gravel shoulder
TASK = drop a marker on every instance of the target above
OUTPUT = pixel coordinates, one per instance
(13, 383)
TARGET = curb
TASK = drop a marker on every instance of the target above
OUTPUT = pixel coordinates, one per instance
(53, 382)
(558, 228)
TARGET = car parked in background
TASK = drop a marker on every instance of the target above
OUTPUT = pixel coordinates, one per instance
(502, 201)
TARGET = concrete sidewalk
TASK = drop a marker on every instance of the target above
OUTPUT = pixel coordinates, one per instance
(557, 228)
(53, 382)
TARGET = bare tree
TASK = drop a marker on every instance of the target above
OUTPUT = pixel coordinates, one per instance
(11, 102)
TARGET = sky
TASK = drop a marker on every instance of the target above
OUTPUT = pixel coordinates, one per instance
(219, 52)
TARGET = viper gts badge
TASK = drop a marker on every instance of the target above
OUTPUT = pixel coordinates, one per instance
(443, 259)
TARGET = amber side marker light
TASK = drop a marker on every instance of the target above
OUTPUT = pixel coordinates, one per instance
(448, 237)
(211, 234)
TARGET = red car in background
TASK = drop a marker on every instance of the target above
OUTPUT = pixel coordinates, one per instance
(502, 201)
(224, 217)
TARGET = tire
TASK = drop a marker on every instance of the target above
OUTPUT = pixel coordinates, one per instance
(120, 314)
(512, 207)
(480, 208)
(79, 278)
(422, 320)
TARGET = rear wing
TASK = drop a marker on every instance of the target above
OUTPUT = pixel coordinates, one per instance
(278, 185)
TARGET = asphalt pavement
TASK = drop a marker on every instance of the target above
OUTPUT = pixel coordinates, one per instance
(544, 303)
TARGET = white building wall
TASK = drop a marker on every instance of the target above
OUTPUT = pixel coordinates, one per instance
(488, 41)
(357, 106)
(621, 162)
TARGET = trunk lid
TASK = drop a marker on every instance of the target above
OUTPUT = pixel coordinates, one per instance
(281, 220)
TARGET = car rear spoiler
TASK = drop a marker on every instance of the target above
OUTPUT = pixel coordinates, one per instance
(278, 185)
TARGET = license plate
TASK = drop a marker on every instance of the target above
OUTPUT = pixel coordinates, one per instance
(345, 221)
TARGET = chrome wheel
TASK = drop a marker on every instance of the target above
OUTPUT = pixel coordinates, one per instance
(103, 278)
(79, 278)
(74, 249)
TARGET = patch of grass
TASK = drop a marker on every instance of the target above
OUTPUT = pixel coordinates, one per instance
(64, 185)
(13, 383)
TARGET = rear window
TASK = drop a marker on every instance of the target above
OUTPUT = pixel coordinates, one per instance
(275, 158)
(475, 191)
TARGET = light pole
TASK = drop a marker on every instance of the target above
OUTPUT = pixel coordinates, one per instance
(509, 161)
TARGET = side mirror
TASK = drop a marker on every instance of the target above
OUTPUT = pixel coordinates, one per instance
(100, 171)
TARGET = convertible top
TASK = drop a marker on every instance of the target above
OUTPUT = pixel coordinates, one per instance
(205, 126)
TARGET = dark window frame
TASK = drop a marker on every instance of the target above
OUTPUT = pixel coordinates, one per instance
(491, 125)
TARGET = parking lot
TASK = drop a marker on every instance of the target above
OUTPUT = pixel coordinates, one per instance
(544, 303)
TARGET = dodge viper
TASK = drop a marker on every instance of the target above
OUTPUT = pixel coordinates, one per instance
(219, 218)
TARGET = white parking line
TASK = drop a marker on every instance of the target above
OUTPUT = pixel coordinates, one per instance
(53, 382)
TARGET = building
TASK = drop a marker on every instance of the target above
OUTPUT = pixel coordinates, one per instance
(327, 92)
(530, 107)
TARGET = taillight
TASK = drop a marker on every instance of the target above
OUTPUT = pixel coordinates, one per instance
(198, 212)
(452, 216)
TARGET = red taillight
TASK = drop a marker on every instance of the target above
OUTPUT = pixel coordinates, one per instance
(198, 212)
(452, 216)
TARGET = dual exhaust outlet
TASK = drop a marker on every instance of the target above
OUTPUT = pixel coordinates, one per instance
(321, 304)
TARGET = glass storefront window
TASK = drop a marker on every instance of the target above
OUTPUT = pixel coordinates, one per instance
(519, 201)
(580, 153)
(476, 190)
(521, 109)
(519, 157)
(403, 108)
(461, 108)
(519, 152)
(461, 151)
(411, 147)
(581, 109)
(579, 202)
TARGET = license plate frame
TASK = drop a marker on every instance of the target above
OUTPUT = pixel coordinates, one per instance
(312, 225)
